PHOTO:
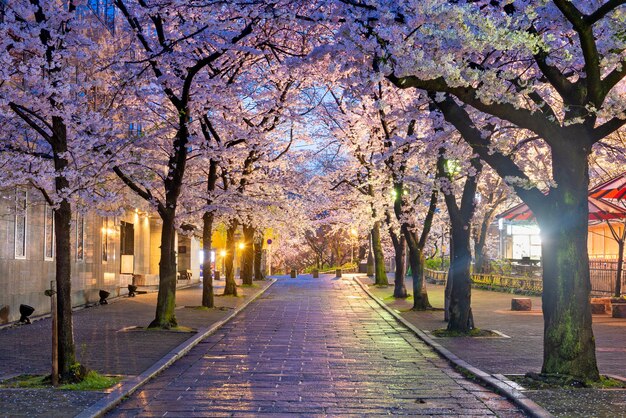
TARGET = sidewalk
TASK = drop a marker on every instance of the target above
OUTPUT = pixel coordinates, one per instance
(522, 351)
(106, 342)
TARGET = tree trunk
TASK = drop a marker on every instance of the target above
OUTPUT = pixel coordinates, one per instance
(165, 316)
(569, 345)
(230, 288)
(66, 348)
(208, 297)
(380, 275)
(416, 261)
(459, 310)
(258, 256)
(399, 246)
(63, 275)
(247, 255)
(620, 267)
(480, 263)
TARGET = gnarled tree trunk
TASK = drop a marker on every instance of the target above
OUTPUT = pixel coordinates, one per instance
(399, 246)
(63, 274)
(165, 316)
(459, 308)
(208, 297)
(569, 345)
(380, 275)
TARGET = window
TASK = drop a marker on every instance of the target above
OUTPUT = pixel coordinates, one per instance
(80, 237)
(127, 238)
(21, 200)
(135, 129)
(105, 239)
(48, 226)
(104, 11)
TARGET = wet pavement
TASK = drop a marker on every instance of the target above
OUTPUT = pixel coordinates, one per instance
(521, 349)
(107, 341)
(313, 346)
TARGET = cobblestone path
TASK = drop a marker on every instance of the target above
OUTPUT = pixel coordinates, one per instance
(313, 346)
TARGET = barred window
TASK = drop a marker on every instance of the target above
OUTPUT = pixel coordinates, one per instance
(48, 233)
(80, 237)
(105, 11)
(21, 201)
(105, 239)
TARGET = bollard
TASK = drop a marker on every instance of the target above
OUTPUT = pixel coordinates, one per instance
(216, 275)
(294, 273)
(338, 272)
(316, 273)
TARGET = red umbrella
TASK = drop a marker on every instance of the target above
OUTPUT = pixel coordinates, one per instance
(599, 210)
(612, 189)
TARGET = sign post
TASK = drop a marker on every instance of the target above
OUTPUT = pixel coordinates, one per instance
(55, 333)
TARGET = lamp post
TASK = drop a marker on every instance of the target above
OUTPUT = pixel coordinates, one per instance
(223, 255)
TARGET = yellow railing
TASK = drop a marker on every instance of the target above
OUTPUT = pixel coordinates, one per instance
(528, 284)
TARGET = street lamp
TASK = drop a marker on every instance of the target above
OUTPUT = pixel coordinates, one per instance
(223, 255)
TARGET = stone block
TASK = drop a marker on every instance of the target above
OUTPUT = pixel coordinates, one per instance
(606, 301)
(598, 308)
(521, 304)
(316, 273)
(294, 273)
(338, 272)
(619, 310)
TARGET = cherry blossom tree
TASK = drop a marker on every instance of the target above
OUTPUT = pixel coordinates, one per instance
(55, 115)
(554, 69)
(176, 44)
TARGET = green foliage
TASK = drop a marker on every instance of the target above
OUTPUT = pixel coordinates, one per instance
(539, 381)
(27, 381)
(476, 332)
(435, 263)
(77, 374)
(501, 267)
(93, 381)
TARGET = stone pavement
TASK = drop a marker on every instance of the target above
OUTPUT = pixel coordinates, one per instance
(313, 346)
(522, 352)
(106, 342)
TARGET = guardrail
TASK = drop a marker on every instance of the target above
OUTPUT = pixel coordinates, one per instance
(525, 284)
(602, 274)
(343, 270)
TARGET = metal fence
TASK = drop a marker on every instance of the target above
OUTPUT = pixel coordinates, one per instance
(602, 274)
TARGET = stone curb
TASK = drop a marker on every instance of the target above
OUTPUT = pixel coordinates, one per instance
(127, 387)
(502, 385)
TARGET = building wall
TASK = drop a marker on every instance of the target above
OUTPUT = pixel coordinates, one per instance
(24, 280)
(600, 242)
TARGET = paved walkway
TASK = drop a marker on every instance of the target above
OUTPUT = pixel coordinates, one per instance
(523, 351)
(313, 346)
(106, 342)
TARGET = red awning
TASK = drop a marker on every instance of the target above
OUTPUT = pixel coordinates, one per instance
(599, 210)
(612, 189)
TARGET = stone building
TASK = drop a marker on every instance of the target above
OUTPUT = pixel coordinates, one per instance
(108, 253)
